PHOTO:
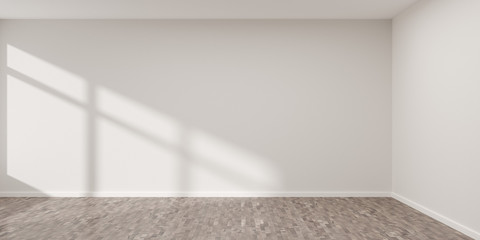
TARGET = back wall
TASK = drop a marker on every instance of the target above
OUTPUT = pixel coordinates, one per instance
(195, 107)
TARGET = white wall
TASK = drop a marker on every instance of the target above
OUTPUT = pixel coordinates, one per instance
(151, 107)
(436, 110)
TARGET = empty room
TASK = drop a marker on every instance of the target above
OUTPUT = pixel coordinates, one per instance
(240, 119)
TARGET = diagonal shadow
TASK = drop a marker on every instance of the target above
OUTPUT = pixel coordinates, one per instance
(93, 114)
(9, 206)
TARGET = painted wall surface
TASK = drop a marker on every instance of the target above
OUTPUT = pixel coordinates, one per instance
(436, 108)
(196, 106)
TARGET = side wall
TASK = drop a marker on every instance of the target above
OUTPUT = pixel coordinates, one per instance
(436, 111)
(203, 107)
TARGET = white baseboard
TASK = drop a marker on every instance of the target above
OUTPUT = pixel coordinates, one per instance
(194, 194)
(437, 216)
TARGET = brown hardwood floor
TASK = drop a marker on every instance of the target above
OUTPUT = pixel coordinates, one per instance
(216, 218)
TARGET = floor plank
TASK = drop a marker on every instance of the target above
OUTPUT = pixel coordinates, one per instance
(216, 218)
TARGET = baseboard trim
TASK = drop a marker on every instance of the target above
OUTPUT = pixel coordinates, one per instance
(194, 194)
(437, 216)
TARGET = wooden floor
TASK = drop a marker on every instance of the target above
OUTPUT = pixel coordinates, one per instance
(216, 218)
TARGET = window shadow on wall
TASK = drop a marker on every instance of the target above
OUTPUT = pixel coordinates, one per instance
(122, 145)
(196, 106)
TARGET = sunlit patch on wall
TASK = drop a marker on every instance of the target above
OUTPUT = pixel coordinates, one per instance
(140, 118)
(47, 74)
(45, 136)
(127, 161)
(228, 166)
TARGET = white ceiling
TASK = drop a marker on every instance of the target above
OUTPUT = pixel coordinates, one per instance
(202, 9)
